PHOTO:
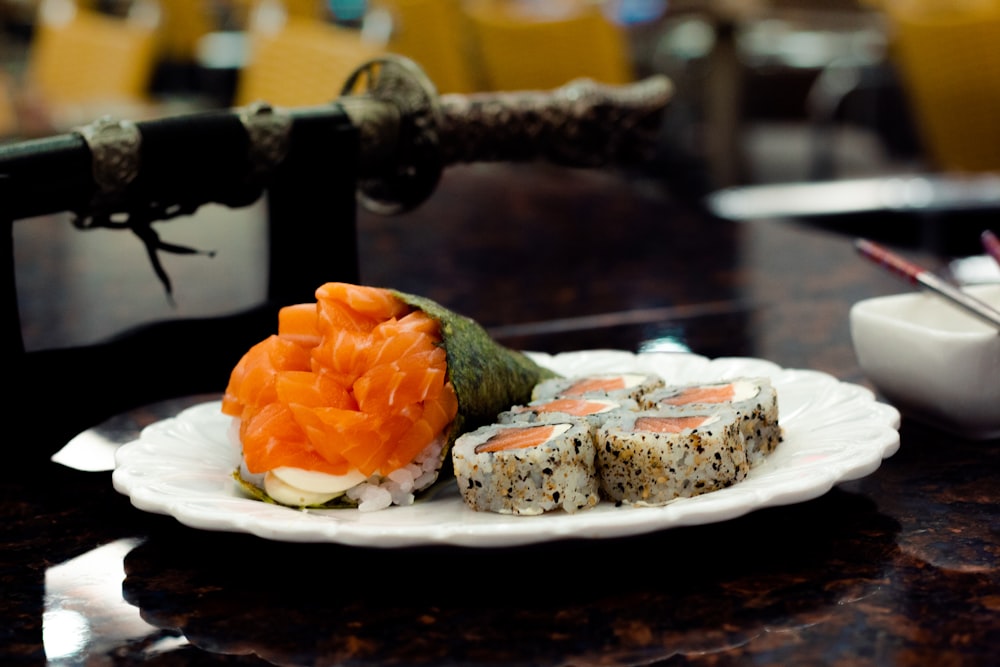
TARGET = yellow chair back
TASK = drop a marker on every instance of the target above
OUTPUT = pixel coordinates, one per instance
(948, 55)
(9, 123)
(184, 23)
(302, 62)
(434, 34)
(522, 50)
(78, 55)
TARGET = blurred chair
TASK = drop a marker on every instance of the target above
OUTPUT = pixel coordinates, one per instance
(948, 55)
(81, 59)
(184, 23)
(308, 9)
(434, 34)
(547, 44)
(9, 124)
(299, 61)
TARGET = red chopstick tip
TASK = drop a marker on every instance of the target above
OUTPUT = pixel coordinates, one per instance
(886, 258)
(867, 248)
(991, 244)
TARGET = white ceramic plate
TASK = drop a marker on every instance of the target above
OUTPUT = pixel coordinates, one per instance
(833, 432)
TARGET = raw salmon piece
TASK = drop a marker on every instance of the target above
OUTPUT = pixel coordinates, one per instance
(399, 344)
(416, 321)
(516, 438)
(668, 424)
(252, 380)
(438, 413)
(298, 323)
(709, 394)
(338, 434)
(312, 390)
(387, 387)
(356, 307)
(330, 431)
(595, 384)
(272, 438)
(342, 354)
(572, 406)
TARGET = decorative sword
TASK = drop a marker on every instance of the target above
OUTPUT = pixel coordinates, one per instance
(407, 135)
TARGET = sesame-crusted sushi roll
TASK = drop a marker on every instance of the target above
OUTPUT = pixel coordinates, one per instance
(753, 398)
(527, 468)
(613, 386)
(651, 457)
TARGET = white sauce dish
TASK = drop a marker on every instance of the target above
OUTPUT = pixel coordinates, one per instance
(932, 360)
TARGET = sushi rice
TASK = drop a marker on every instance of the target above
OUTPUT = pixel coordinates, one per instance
(555, 473)
(650, 457)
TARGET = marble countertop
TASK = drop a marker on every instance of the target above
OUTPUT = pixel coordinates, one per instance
(897, 568)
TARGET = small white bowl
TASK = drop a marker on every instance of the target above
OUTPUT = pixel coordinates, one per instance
(932, 360)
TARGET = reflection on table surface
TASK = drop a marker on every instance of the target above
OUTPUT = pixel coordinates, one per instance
(899, 567)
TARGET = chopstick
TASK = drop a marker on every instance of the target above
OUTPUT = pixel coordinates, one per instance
(991, 244)
(918, 275)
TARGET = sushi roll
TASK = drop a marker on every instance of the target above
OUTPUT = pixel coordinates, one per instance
(357, 398)
(754, 399)
(651, 457)
(527, 468)
(612, 386)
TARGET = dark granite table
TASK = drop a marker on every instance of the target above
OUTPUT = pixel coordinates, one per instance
(899, 568)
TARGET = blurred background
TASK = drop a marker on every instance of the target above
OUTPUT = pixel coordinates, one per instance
(768, 90)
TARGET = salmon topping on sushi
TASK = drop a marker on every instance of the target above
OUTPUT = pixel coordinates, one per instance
(588, 385)
(706, 394)
(357, 381)
(571, 406)
(517, 438)
(670, 424)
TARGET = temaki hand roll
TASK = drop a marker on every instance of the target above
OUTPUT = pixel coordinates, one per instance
(358, 397)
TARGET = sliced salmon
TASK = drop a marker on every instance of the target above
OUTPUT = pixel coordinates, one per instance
(356, 381)
(587, 385)
(708, 394)
(572, 406)
(251, 382)
(516, 438)
(668, 424)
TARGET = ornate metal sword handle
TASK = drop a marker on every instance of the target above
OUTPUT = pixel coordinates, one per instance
(582, 124)
(409, 133)
(401, 157)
